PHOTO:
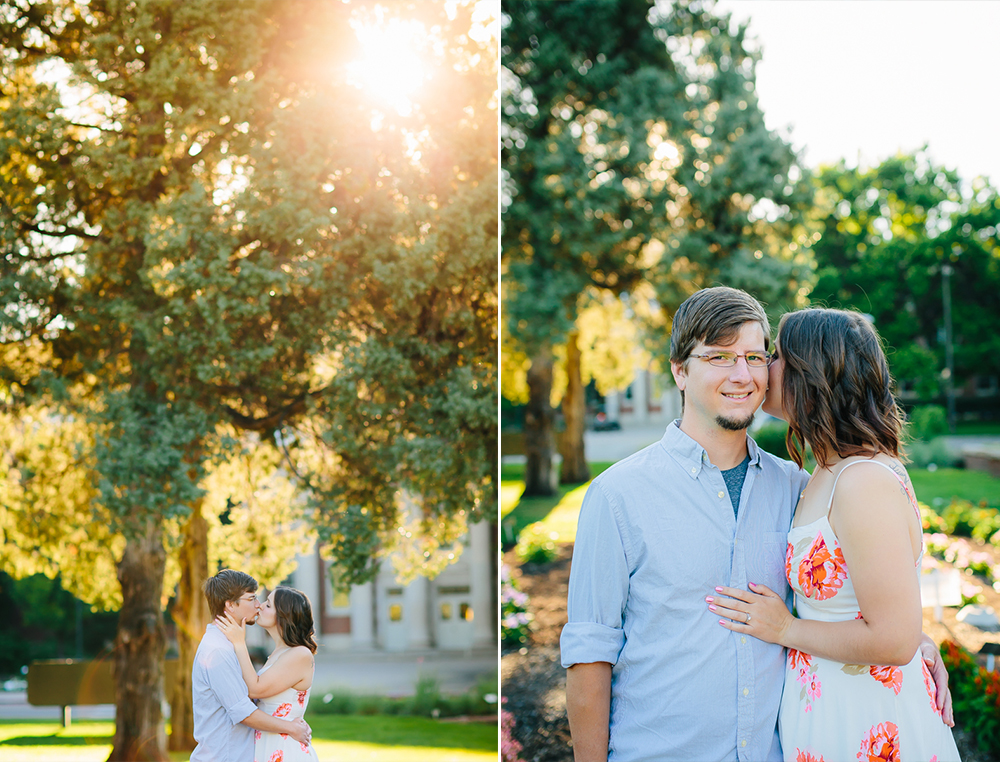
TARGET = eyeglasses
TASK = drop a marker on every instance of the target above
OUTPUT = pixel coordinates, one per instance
(728, 359)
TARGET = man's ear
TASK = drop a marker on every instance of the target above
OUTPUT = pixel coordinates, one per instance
(680, 375)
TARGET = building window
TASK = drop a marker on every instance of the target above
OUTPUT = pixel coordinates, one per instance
(446, 611)
(465, 612)
(396, 612)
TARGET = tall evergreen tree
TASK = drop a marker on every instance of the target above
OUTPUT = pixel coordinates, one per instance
(634, 150)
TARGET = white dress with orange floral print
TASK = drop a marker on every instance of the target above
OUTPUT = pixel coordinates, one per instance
(290, 704)
(833, 712)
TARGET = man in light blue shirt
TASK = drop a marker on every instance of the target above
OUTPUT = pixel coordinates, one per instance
(224, 716)
(651, 676)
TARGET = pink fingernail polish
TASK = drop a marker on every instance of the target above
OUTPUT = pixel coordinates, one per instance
(711, 608)
(722, 622)
(709, 599)
(718, 589)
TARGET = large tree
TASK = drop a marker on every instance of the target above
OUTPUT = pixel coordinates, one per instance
(887, 233)
(634, 151)
(206, 222)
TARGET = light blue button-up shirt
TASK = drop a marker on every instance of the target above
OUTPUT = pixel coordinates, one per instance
(221, 702)
(656, 535)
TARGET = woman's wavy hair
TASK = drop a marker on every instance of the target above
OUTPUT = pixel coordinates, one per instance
(294, 617)
(836, 390)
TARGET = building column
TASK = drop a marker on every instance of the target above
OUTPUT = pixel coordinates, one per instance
(481, 585)
(416, 607)
(640, 397)
(310, 579)
(363, 616)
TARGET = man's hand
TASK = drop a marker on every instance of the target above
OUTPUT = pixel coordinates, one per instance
(931, 655)
(300, 731)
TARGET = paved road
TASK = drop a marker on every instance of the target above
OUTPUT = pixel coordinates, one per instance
(376, 673)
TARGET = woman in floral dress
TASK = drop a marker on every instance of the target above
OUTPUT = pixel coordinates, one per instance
(281, 688)
(856, 687)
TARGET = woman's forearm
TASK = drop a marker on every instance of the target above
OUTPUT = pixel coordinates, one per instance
(854, 642)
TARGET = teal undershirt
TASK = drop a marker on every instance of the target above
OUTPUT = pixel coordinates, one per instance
(734, 478)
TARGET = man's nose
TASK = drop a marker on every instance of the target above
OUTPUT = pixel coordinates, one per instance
(741, 370)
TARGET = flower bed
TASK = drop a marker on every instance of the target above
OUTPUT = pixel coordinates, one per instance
(975, 695)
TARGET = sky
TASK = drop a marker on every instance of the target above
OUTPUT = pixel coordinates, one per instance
(867, 78)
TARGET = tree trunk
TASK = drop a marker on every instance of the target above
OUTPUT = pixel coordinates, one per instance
(538, 473)
(190, 613)
(140, 646)
(574, 468)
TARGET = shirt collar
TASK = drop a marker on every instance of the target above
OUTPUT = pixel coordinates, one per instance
(691, 456)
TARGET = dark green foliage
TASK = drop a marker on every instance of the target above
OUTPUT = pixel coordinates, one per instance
(40, 621)
(886, 233)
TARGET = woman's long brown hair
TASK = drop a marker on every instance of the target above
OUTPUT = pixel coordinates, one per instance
(294, 616)
(836, 389)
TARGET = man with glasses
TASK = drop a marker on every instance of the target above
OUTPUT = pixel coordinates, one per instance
(651, 674)
(224, 715)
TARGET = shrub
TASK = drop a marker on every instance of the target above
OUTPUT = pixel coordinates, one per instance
(928, 422)
(965, 519)
(515, 620)
(535, 545)
(975, 696)
(427, 701)
(771, 438)
(931, 454)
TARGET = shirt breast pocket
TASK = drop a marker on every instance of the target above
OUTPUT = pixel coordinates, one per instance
(766, 561)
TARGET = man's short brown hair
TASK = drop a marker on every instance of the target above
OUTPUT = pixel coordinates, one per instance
(227, 585)
(715, 317)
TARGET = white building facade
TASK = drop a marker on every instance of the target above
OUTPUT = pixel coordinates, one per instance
(455, 611)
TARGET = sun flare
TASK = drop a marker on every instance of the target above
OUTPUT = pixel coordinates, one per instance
(391, 69)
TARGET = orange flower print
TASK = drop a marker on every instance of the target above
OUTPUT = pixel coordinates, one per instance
(890, 677)
(276, 757)
(301, 697)
(805, 756)
(798, 659)
(822, 573)
(930, 687)
(282, 711)
(881, 744)
(256, 735)
(305, 747)
(789, 551)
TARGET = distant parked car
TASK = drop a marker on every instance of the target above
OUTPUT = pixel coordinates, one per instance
(601, 423)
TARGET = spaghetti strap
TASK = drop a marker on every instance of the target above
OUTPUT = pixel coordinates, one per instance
(889, 468)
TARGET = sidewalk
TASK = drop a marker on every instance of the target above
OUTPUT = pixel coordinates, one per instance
(373, 672)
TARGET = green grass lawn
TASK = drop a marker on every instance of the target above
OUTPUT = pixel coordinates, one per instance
(938, 488)
(559, 511)
(343, 738)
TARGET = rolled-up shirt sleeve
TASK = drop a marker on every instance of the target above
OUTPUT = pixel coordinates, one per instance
(226, 682)
(598, 585)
